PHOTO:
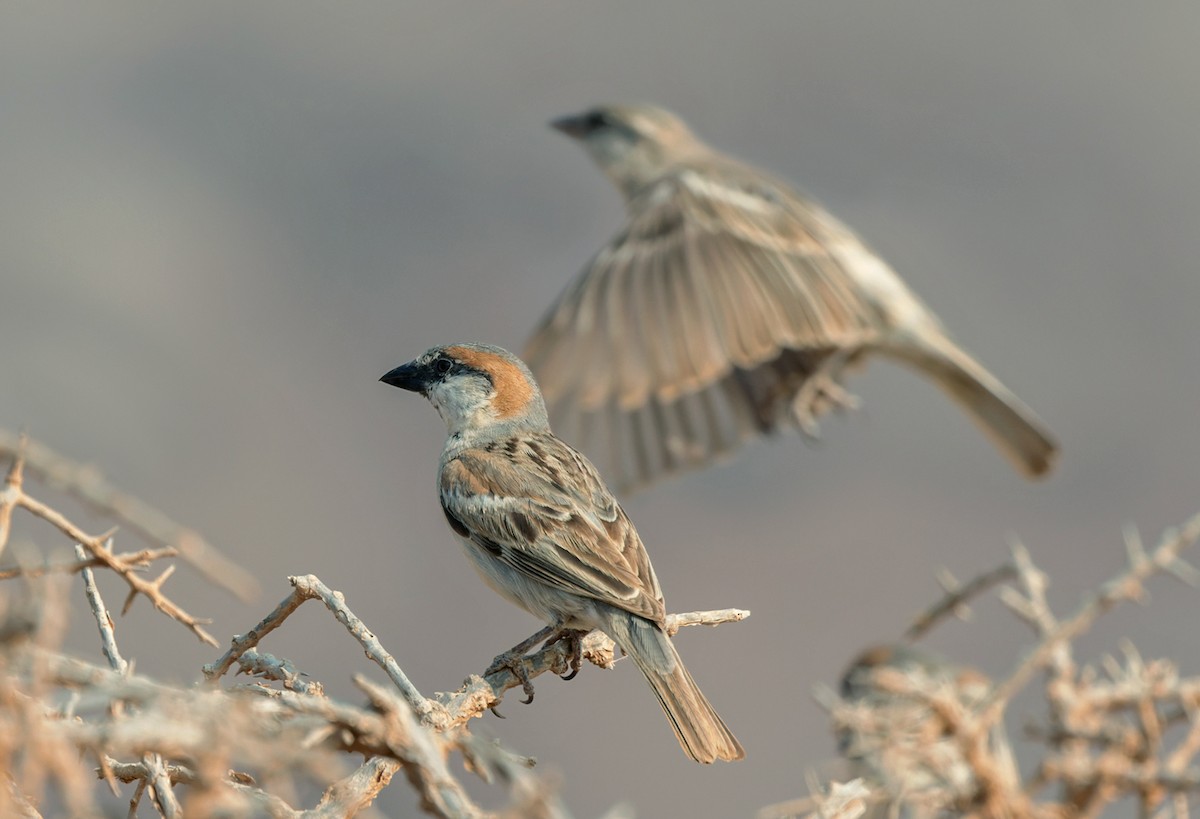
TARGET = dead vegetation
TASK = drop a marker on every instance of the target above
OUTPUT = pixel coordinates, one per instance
(926, 737)
(221, 748)
(923, 736)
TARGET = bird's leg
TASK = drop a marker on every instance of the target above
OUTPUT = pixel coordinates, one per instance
(821, 391)
(513, 660)
(573, 637)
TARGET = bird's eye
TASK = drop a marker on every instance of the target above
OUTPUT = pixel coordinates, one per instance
(443, 366)
(595, 121)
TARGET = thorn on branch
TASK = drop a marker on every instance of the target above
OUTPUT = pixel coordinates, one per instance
(86, 483)
(956, 598)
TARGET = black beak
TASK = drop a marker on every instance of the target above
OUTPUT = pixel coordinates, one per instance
(411, 376)
(574, 126)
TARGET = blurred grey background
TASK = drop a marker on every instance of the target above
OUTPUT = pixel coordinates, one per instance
(221, 223)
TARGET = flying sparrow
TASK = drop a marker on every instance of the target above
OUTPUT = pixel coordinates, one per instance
(726, 306)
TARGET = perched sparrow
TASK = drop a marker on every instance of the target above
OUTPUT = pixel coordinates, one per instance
(728, 305)
(541, 528)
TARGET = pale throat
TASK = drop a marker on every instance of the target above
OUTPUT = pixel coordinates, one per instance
(465, 415)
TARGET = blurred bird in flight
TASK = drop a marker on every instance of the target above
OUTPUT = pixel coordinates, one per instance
(728, 306)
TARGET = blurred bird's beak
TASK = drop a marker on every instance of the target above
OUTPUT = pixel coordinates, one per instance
(573, 126)
(410, 376)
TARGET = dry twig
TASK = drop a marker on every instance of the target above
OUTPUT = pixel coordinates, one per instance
(55, 710)
(99, 547)
(928, 741)
(89, 485)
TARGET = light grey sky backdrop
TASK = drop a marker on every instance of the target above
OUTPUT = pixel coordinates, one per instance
(222, 222)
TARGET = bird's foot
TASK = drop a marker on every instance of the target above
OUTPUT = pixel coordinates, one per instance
(513, 661)
(819, 394)
(574, 640)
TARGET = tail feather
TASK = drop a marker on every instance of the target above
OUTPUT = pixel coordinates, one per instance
(700, 730)
(1011, 426)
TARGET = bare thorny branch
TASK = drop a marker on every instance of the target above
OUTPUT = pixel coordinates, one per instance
(478, 694)
(208, 738)
(97, 548)
(176, 721)
(925, 736)
(86, 483)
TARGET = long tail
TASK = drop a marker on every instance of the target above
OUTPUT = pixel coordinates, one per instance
(1012, 426)
(698, 727)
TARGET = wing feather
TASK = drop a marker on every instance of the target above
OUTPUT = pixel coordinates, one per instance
(548, 510)
(717, 274)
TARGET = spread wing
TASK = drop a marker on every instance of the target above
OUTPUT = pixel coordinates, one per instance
(538, 506)
(720, 295)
